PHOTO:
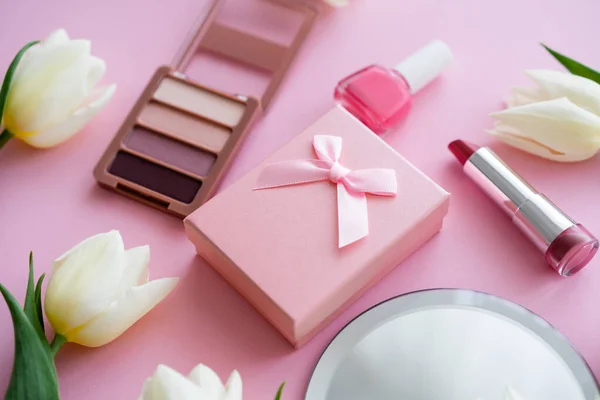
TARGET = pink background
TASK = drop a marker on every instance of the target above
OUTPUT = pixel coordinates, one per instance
(49, 200)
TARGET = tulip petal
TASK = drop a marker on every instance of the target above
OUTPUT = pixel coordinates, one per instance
(66, 129)
(530, 146)
(234, 387)
(84, 283)
(23, 114)
(168, 384)
(59, 36)
(65, 91)
(123, 313)
(558, 124)
(60, 260)
(524, 95)
(579, 90)
(137, 260)
(54, 54)
(96, 69)
(56, 38)
(208, 380)
(135, 269)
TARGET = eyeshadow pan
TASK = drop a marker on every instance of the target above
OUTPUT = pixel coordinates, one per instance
(155, 177)
(199, 101)
(170, 151)
(185, 127)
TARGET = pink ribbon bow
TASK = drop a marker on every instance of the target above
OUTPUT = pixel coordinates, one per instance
(352, 186)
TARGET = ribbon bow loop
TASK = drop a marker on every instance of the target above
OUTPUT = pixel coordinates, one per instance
(352, 186)
(328, 148)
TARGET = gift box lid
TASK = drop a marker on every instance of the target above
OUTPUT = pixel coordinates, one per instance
(279, 246)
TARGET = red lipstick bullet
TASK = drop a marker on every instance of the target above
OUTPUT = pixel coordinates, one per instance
(462, 150)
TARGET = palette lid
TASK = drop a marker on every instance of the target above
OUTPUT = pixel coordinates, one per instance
(244, 47)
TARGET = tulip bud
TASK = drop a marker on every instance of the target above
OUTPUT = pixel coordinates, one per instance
(98, 289)
(53, 92)
(201, 383)
(558, 120)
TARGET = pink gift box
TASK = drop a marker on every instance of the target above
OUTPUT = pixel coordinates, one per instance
(279, 247)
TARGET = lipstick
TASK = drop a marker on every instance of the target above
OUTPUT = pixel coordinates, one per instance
(567, 245)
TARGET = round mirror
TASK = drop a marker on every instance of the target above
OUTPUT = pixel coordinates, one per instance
(450, 344)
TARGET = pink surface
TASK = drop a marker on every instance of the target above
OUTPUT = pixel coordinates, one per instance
(281, 244)
(49, 200)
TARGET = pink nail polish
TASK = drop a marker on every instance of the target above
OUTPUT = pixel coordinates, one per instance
(381, 97)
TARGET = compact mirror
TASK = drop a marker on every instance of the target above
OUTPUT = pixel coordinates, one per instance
(450, 344)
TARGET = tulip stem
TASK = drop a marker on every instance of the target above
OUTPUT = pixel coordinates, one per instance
(58, 342)
(5, 136)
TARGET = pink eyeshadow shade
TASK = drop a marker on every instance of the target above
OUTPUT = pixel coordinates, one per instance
(170, 151)
(185, 127)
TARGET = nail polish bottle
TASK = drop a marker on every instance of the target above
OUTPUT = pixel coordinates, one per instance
(381, 97)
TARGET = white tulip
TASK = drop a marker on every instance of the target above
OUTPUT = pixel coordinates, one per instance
(559, 119)
(201, 384)
(555, 129)
(98, 289)
(53, 93)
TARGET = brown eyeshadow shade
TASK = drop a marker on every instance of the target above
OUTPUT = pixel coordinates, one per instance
(155, 177)
(200, 101)
(185, 127)
(170, 151)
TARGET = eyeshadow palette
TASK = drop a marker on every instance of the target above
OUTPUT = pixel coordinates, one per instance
(178, 141)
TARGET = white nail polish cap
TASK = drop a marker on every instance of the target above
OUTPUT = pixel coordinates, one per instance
(423, 66)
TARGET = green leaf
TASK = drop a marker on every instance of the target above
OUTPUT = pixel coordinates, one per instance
(30, 307)
(279, 392)
(5, 136)
(9, 75)
(38, 301)
(34, 374)
(574, 67)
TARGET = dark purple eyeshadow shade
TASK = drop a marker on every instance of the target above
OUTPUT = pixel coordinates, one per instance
(155, 177)
(170, 151)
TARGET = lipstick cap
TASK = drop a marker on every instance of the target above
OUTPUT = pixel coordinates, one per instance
(423, 66)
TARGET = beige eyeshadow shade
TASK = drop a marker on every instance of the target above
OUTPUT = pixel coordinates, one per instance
(185, 127)
(199, 101)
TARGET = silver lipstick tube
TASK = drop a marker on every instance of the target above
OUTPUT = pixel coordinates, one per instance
(536, 216)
